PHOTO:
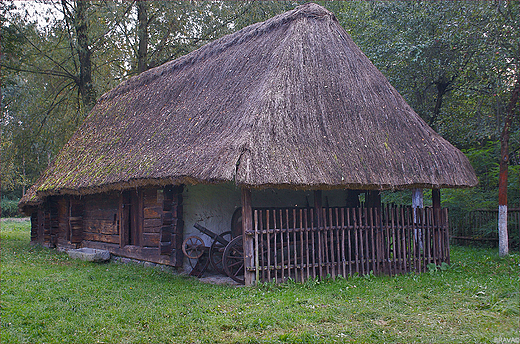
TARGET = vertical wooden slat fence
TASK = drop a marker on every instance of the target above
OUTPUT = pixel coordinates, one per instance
(288, 243)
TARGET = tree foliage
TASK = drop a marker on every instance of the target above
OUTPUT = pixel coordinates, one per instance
(453, 61)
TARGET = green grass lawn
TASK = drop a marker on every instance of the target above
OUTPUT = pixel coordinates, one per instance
(47, 297)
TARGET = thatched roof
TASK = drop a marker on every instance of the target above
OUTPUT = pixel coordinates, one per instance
(290, 102)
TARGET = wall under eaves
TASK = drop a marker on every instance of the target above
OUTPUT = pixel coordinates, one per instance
(213, 205)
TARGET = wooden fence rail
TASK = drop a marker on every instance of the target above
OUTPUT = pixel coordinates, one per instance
(288, 243)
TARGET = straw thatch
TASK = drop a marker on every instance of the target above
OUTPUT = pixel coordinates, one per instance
(290, 102)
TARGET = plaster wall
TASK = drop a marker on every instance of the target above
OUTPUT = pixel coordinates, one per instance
(211, 206)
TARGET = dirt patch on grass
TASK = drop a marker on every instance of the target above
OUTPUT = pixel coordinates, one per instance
(218, 279)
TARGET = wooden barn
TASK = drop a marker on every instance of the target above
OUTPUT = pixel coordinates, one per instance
(286, 121)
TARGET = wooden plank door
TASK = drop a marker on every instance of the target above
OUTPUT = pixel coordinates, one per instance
(131, 218)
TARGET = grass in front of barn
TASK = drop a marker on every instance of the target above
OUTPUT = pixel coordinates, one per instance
(47, 297)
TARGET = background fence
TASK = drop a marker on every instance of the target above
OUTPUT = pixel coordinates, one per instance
(480, 227)
(300, 243)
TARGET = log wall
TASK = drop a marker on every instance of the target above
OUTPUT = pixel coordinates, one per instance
(34, 225)
(153, 215)
(100, 218)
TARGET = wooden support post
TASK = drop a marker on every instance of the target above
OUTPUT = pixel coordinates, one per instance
(373, 199)
(438, 220)
(436, 202)
(247, 226)
(319, 224)
(417, 202)
(318, 207)
(352, 200)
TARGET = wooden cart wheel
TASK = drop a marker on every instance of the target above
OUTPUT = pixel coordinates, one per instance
(233, 260)
(216, 251)
(193, 247)
(198, 266)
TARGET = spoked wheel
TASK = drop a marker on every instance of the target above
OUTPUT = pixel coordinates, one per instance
(198, 266)
(193, 247)
(216, 251)
(233, 260)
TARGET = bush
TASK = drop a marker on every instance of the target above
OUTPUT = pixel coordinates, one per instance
(10, 207)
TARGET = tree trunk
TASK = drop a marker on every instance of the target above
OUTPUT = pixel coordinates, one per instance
(85, 85)
(503, 241)
(442, 86)
(24, 180)
(142, 36)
